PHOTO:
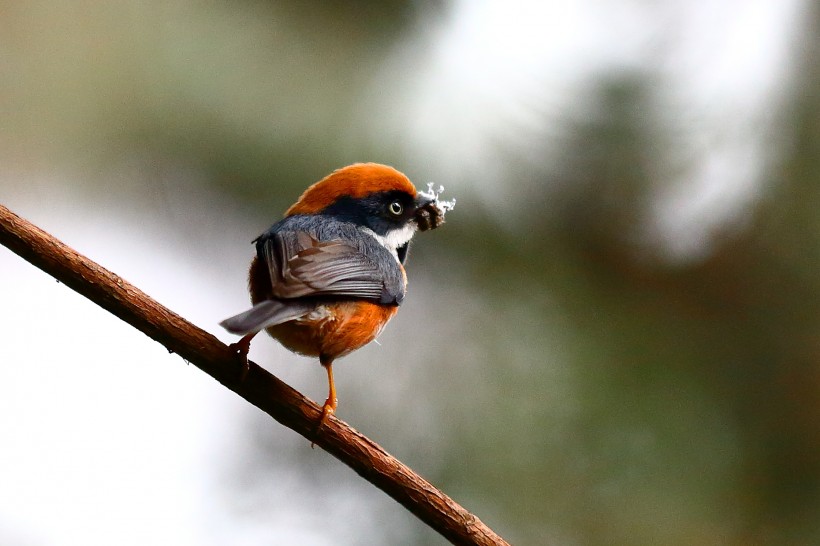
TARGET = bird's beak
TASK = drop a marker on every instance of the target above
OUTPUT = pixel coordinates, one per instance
(430, 210)
(428, 214)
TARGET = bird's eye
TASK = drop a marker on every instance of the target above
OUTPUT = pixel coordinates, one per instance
(395, 208)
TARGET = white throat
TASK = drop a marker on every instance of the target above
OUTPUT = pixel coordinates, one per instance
(394, 238)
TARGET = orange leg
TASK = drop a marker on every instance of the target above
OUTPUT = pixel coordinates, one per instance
(329, 408)
(330, 404)
(241, 348)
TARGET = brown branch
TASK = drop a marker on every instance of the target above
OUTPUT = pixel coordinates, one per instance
(260, 388)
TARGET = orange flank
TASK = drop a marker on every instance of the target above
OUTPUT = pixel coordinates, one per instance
(354, 181)
(334, 329)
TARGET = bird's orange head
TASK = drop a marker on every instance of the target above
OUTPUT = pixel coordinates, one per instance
(379, 199)
(352, 183)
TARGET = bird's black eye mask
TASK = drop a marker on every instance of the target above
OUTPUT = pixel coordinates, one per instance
(381, 212)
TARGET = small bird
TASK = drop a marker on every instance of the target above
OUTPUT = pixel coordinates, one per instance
(328, 277)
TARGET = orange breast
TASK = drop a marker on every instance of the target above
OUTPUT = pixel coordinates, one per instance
(334, 329)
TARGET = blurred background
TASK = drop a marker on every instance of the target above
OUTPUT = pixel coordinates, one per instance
(614, 340)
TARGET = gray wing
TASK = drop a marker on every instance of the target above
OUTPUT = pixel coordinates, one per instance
(300, 265)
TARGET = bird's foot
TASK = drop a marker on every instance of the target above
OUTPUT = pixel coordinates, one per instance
(241, 349)
(328, 409)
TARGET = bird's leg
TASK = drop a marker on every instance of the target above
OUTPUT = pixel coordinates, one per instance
(330, 404)
(241, 348)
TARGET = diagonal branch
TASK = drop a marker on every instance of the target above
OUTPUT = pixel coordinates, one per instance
(260, 388)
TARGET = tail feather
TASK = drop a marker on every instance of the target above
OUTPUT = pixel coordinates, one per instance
(264, 314)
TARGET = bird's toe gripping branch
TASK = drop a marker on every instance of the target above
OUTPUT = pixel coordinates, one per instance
(241, 348)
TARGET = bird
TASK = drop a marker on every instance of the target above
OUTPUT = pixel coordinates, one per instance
(328, 277)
